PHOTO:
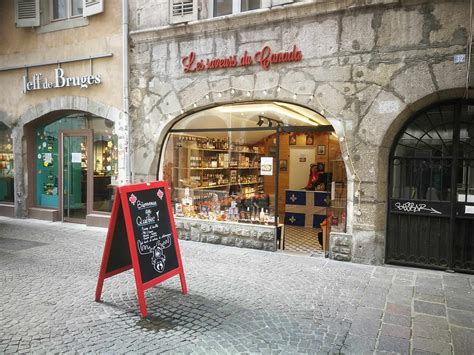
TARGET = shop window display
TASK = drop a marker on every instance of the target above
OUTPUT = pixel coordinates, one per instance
(217, 177)
(6, 164)
(105, 170)
(244, 162)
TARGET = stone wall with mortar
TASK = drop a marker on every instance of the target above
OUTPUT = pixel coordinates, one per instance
(370, 65)
(233, 234)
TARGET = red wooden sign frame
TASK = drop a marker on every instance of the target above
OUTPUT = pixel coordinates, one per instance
(121, 199)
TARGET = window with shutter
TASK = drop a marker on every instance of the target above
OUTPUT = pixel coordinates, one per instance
(183, 11)
(92, 7)
(27, 13)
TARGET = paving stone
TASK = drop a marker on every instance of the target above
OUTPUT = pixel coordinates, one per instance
(438, 322)
(355, 344)
(461, 318)
(398, 309)
(463, 340)
(424, 330)
(398, 345)
(365, 327)
(461, 303)
(434, 309)
(431, 345)
(397, 319)
(396, 331)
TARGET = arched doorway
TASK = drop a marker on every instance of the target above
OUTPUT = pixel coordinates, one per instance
(72, 160)
(431, 190)
(265, 163)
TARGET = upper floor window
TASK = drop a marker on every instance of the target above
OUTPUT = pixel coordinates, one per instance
(64, 9)
(228, 7)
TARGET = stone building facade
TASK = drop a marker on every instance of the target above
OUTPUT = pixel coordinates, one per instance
(367, 66)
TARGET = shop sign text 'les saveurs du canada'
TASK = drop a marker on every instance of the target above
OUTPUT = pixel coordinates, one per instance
(265, 58)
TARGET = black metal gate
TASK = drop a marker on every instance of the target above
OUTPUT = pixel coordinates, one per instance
(431, 190)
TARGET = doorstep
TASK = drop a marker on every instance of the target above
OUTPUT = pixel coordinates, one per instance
(98, 220)
(7, 210)
(42, 213)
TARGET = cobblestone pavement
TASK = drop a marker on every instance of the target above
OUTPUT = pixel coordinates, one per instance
(239, 301)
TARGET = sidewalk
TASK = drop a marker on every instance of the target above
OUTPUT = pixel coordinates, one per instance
(239, 301)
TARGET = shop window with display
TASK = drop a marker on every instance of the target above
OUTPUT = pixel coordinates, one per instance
(105, 170)
(217, 176)
(249, 163)
(6, 164)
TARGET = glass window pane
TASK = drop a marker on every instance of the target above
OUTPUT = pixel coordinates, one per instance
(222, 7)
(105, 155)
(59, 9)
(428, 135)
(76, 7)
(216, 176)
(6, 164)
(247, 5)
(47, 155)
(421, 179)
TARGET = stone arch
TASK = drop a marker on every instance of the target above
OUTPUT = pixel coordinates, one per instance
(76, 103)
(389, 136)
(55, 104)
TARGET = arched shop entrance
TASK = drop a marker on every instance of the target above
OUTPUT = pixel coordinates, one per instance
(431, 209)
(73, 165)
(251, 163)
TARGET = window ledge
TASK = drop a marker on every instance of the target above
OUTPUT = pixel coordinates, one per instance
(64, 25)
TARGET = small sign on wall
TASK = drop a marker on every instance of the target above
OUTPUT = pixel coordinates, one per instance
(266, 166)
(75, 157)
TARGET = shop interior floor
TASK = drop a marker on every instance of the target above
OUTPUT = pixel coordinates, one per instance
(301, 239)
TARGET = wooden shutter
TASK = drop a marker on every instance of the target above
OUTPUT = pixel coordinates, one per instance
(92, 7)
(27, 13)
(281, 2)
(183, 11)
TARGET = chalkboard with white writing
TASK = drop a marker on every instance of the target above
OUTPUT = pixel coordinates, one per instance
(153, 233)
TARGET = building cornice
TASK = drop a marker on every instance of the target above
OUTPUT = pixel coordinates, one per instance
(288, 12)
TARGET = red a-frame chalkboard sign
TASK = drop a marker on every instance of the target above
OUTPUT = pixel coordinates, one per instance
(142, 235)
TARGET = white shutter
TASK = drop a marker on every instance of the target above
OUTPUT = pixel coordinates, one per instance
(92, 7)
(183, 11)
(27, 13)
(281, 2)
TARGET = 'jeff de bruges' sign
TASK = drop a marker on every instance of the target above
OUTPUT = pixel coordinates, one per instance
(265, 58)
(38, 82)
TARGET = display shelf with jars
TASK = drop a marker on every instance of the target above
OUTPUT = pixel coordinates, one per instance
(222, 179)
(6, 172)
(338, 207)
(105, 155)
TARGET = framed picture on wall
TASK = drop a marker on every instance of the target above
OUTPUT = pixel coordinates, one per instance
(309, 139)
(283, 165)
(321, 149)
(292, 137)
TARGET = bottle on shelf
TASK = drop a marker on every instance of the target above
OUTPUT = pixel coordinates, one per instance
(262, 217)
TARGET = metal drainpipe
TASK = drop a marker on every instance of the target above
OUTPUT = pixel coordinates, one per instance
(128, 158)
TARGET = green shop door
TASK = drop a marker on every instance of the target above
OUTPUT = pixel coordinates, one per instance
(75, 176)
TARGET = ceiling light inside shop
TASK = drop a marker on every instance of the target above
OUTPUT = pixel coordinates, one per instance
(270, 107)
